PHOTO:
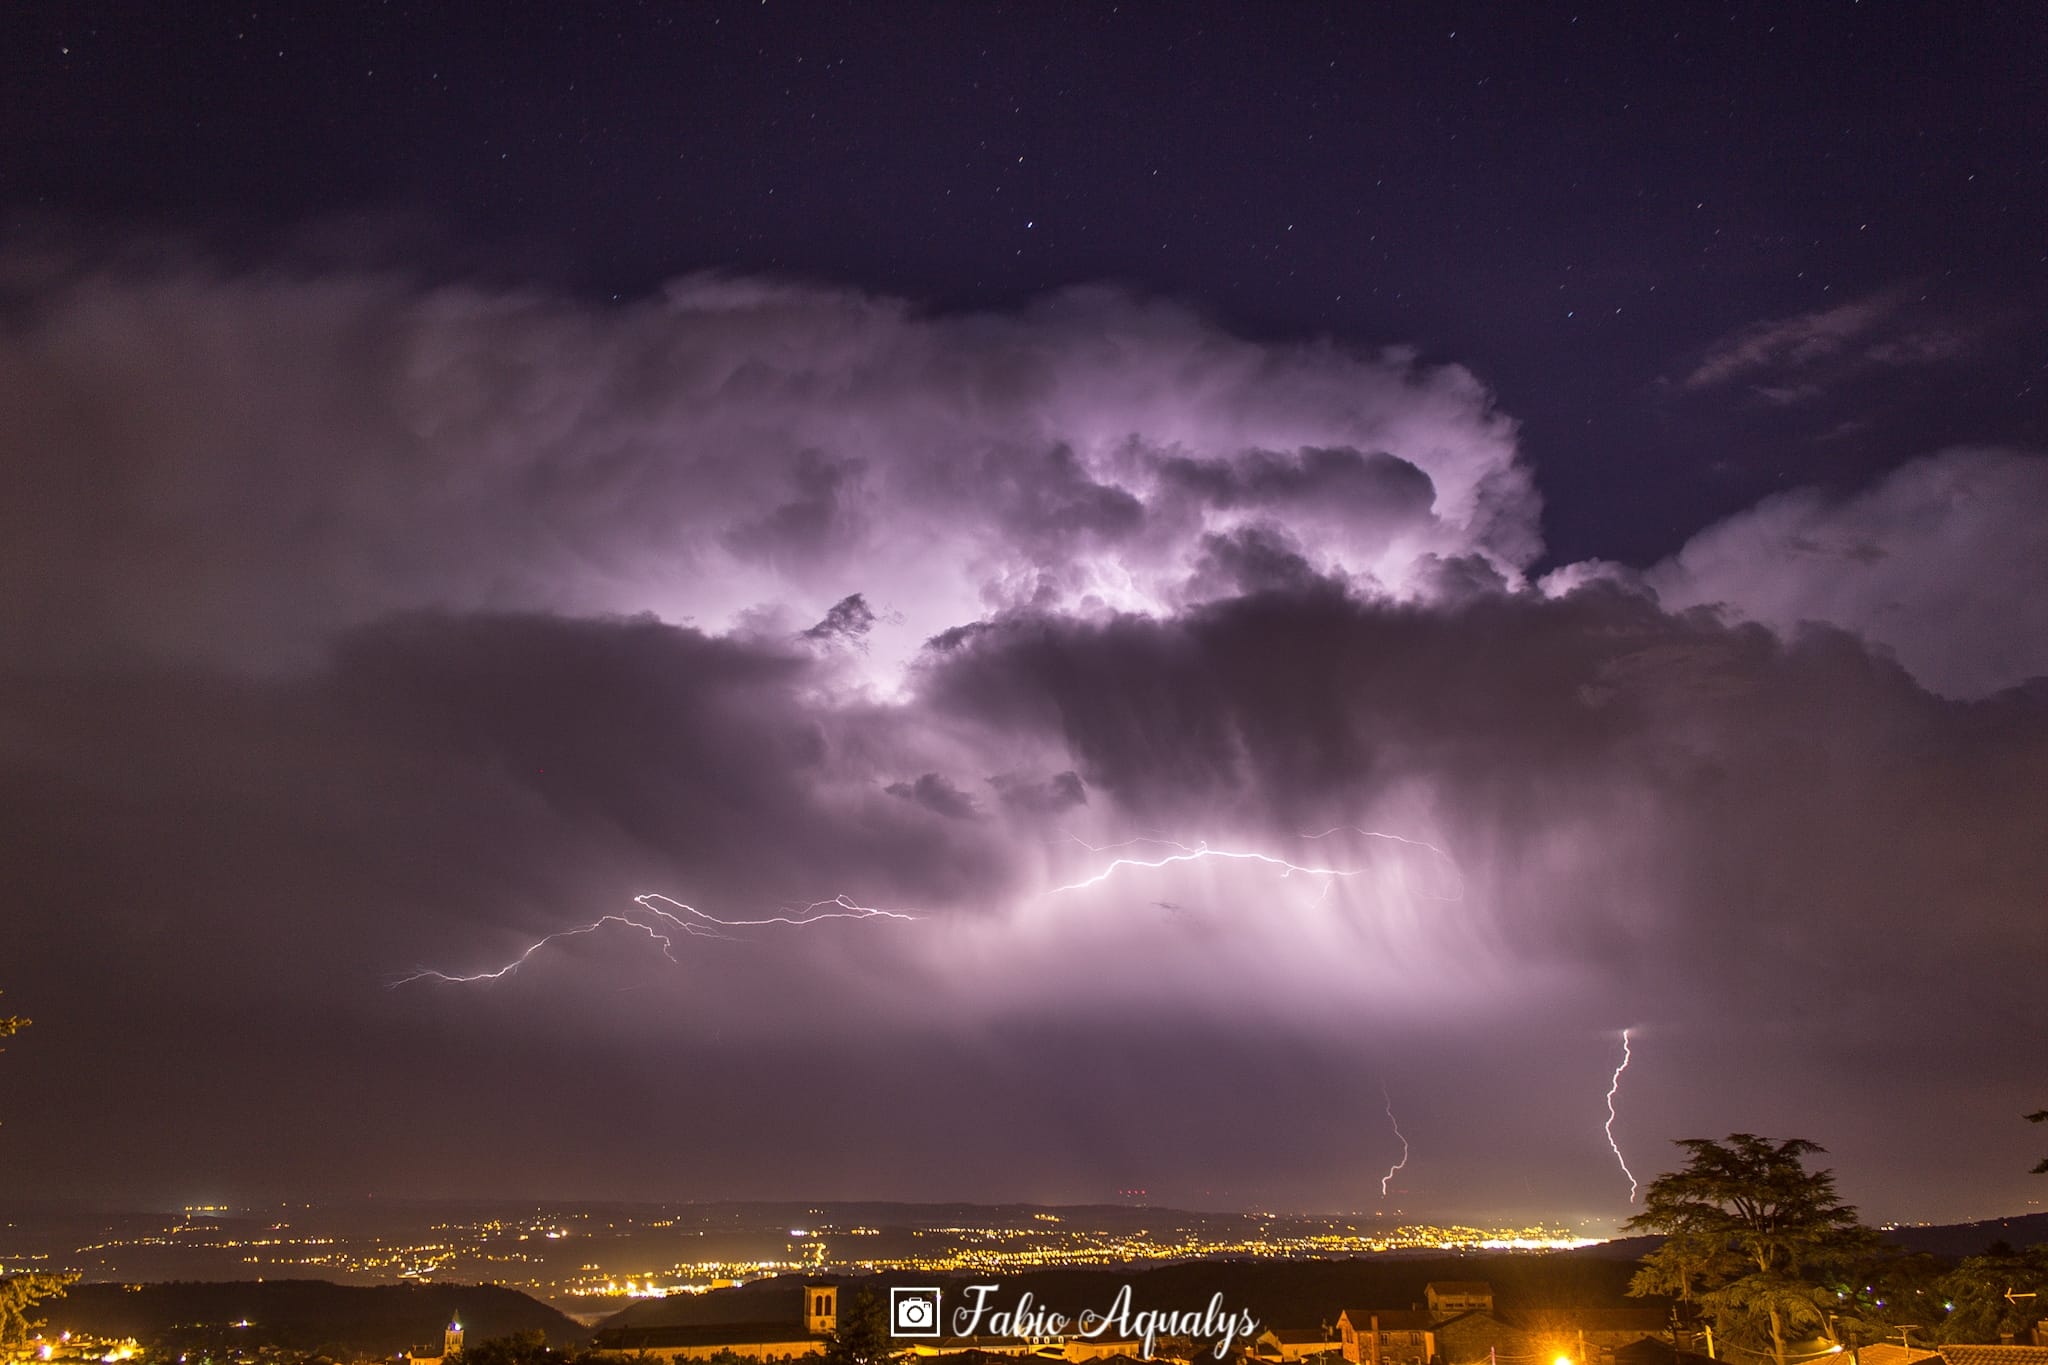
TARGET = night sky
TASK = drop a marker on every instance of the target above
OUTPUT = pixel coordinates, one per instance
(1153, 584)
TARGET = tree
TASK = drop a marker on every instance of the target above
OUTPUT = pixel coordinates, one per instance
(2039, 1116)
(862, 1336)
(2001, 1291)
(10, 1025)
(1745, 1225)
(1688, 1262)
(20, 1293)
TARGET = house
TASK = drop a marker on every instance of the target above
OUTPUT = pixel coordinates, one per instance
(1295, 1343)
(1386, 1336)
(1658, 1351)
(1448, 1298)
(760, 1340)
(1480, 1336)
(1588, 1336)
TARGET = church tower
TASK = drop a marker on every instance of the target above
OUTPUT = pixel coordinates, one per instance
(821, 1308)
(451, 1340)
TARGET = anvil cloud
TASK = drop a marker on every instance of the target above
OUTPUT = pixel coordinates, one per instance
(356, 625)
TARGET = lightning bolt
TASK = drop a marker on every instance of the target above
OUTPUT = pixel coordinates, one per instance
(1196, 853)
(1388, 1178)
(1189, 853)
(664, 925)
(1614, 1088)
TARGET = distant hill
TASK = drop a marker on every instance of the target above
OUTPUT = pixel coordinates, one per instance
(1951, 1240)
(313, 1316)
(1970, 1239)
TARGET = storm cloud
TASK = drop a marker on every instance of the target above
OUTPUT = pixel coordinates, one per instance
(359, 627)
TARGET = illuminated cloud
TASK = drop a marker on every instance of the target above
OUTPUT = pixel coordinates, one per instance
(360, 629)
(1940, 563)
(236, 466)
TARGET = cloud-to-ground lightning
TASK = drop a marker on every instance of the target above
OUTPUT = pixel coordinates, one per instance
(1614, 1088)
(661, 924)
(1388, 1178)
(1196, 852)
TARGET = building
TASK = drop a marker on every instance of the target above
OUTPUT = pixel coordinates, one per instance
(1448, 1298)
(1588, 1336)
(1387, 1336)
(819, 1316)
(821, 1308)
(1478, 1335)
(1890, 1353)
(1653, 1351)
(1296, 1343)
(451, 1346)
(1997, 1355)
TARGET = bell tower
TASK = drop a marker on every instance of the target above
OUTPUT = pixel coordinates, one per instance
(451, 1340)
(821, 1308)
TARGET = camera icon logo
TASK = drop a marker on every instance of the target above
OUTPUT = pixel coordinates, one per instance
(913, 1312)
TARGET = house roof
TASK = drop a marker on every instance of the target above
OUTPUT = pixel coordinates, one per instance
(1995, 1355)
(1391, 1319)
(1297, 1335)
(1884, 1353)
(1458, 1287)
(1649, 1321)
(1479, 1320)
(702, 1334)
(1657, 1351)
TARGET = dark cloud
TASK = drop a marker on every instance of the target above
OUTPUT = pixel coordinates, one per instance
(1645, 818)
(1250, 559)
(849, 621)
(1041, 796)
(817, 525)
(936, 794)
(1377, 484)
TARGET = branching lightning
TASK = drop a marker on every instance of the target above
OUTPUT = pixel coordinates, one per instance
(1614, 1088)
(1388, 1178)
(1189, 853)
(663, 924)
(1195, 853)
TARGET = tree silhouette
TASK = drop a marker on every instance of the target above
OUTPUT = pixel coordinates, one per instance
(18, 1294)
(862, 1337)
(10, 1025)
(1745, 1224)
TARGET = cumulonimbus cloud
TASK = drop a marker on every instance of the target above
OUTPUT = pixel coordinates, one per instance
(236, 466)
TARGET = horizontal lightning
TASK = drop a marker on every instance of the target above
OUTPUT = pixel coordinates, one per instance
(1187, 853)
(664, 920)
(1197, 852)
